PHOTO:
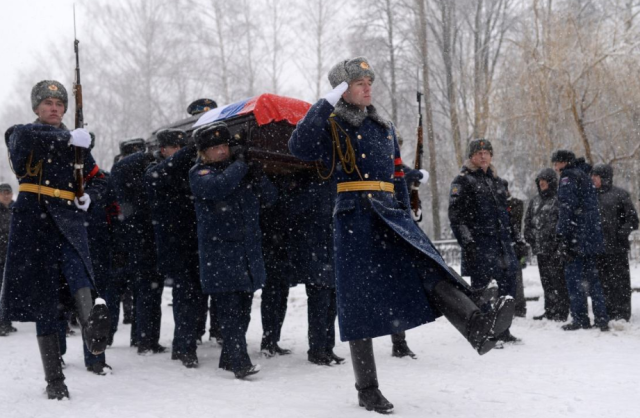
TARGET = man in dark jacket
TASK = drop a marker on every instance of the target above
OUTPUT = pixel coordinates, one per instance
(580, 240)
(174, 223)
(137, 235)
(228, 196)
(619, 218)
(480, 222)
(540, 226)
(6, 201)
(389, 277)
(48, 254)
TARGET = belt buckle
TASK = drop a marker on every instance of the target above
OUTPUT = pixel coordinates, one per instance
(381, 186)
(56, 192)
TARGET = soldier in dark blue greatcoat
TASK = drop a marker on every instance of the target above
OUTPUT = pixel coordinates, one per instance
(580, 240)
(48, 254)
(389, 276)
(129, 182)
(174, 222)
(228, 196)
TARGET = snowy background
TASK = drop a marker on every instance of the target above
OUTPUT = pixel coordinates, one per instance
(552, 374)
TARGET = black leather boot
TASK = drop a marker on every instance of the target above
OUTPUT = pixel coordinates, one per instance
(478, 328)
(364, 369)
(52, 363)
(94, 320)
(400, 347)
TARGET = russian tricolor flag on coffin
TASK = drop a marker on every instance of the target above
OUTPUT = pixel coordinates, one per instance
(266, 108)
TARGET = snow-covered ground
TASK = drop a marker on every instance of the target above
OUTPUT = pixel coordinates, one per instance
(553, 374)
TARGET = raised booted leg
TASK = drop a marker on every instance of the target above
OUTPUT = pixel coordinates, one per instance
(364, 369)
(477, 327)
(94, 319)
(400, 347)
(52, 363)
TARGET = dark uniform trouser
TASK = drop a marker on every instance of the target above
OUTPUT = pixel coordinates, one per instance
(321, 313)
(613, 271)
(234, 314)
(187, 310)
(113, 294)
(581, 275)
(556, 296)
(208, 304)
(75, 274)
(273, 308)
(148, 311)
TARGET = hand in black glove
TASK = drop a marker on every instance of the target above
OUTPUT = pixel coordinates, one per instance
(238, 153)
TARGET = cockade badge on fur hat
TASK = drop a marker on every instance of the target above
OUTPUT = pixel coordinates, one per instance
(349, 70)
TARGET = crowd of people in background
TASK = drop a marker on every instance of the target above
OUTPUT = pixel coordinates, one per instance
(192, 211)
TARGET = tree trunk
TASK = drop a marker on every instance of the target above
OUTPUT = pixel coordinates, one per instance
(431, 143)
(447, 54)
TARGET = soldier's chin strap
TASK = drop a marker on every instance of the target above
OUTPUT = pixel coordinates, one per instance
(348, 158)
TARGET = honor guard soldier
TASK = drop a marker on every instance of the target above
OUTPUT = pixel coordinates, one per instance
(580, 240)
(48, 253)
(389, 276)
(174, 222)
(129, 182)
(228, 195)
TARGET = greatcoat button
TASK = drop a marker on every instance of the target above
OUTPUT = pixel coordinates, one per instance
(369, 196)
(49, 160)
(366, 176)
(46, 182)
(359, 136)
(364, 156)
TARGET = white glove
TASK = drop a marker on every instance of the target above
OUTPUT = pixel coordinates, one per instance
(82, 202)
(425, 176)
(418, 217)
(334, 95)
(80, 138)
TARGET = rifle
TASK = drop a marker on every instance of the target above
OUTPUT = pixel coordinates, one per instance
(79, 123)
(416, 204)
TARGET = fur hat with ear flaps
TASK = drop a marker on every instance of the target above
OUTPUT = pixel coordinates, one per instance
(349, 70)
(47, 89)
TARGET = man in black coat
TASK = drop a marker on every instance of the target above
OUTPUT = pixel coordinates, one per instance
(580, 240)
(174, 219)
(619, 218)
(480, 222)
(6, 201)
(48, 255)
(540, 226)
(141, 262)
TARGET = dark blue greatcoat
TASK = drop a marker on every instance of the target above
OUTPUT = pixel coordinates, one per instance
(578, 219)
(39, 223)
(229, 236)
(136, 227)
(380, 251)
(173, 213)
(310, 230)
(478, 214)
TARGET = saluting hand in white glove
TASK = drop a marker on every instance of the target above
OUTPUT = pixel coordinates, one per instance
(80, 138)
(334, 95)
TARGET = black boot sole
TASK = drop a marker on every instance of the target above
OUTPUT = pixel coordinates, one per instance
(378, 410)
(97, 335)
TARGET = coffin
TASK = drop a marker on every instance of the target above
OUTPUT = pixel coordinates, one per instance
(264, 123)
